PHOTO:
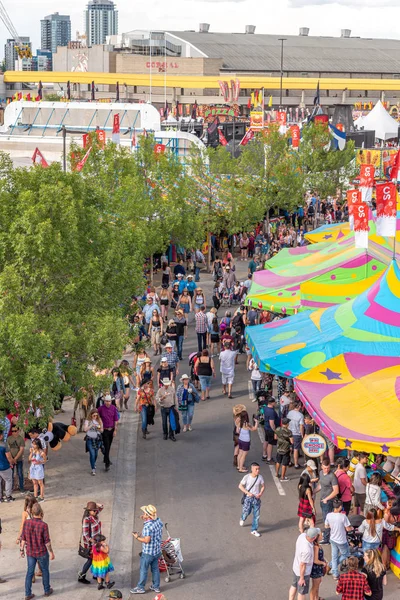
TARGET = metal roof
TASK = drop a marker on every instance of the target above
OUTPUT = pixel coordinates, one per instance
(261, 52)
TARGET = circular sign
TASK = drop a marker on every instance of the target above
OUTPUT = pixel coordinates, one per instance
(313, 445)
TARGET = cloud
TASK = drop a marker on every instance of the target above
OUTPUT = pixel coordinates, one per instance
(349, 3)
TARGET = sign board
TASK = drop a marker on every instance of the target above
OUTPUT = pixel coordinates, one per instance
(314, 445)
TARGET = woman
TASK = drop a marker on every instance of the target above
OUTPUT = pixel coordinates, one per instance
(172, 334)
(185, 302)
(117, 388)
(215, 341)
(164, 302)
(389, 538)
(318, 569)
(244, 244)
(346, 488)
(164, 371)
(139, 358)
(199, 299)
(26, 514)
(181, 325)
(217, 269)
(373, 493)
(255, 375)
(128, 381)
(205, 370)
(186, 395)
(144, 399)
(146, 372)
(237, 410)
(166, 275)
(375, 572)
(175, 296)
(156, 330)
(93, 427)
(153, 295)
(226, 257)
(372, 529)
(37, 458)
(244, 430)
(306, 508)
(91, 526)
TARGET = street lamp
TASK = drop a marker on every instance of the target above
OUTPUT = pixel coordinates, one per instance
(282, 40)
(64, 130)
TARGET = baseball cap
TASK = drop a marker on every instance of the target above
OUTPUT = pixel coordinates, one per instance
(313, 532)
(311, 464)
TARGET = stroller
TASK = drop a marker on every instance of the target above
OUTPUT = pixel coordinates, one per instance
(170, 561)
(193, 377)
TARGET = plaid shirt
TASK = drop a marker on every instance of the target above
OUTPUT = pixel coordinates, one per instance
(91, 526)
(172, 358)
(201, 322)
(35, 534)
(154, 530)
(353, 586)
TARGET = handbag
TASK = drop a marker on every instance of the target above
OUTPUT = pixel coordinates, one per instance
(249, 490)
(164, 339)
(82, 551)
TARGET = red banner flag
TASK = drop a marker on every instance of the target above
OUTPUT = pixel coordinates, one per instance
(159, 149)
(116, 129)
(222, 138)
(247, 137)
(395, 170)
(386, 209)
(82, 162)
(39, 159)
(353, 197)
(360, 212)
(101, 137)
(295, 131)
(367, 176)
(281, 117)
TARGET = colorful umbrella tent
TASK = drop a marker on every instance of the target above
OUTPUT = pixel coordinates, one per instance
(355, 399)
(368, 324)
(328, 233)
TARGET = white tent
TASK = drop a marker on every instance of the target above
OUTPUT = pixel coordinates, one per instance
(380, 121)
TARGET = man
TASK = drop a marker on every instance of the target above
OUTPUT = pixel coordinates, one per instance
(191, 286)
(179, 268)
(360, 482)
(227, 360)
(181, 325)
(198, 262)
(148, 311)
(16, 443)
(110, 418)
(35, 539)
(248, 282)
(271, 421)
(6, 473)
(252, 486)
(296, 426)
(338, 525)
(172, 358)
(151, 549)
(250, 247)
(302, 564)
(252, 317)
(329, 490)
(201, 328)
(253, 265)
(353, 584)
(284, 437)
(166, 398)
(229, 280)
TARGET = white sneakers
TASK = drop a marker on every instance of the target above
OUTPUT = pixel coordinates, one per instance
(241, 523)
(256, 534)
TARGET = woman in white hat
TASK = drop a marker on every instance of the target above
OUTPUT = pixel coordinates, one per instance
(186, 395)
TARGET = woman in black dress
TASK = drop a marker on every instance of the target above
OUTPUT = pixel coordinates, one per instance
(318, 569)
(375, 572)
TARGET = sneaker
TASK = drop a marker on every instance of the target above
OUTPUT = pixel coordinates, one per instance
(184, 430)
(190, 428)
(94, 472)
(285, 479)
(256, 534)
(298, 466)
(155, 589)
(40, 499)
(110, 584)
(324, 542)
(82, 579)
(137, 590)
(100, 586)
(241, 522)
(10, 499)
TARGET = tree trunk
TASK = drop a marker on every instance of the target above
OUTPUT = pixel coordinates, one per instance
(209, 252)
(151, 269)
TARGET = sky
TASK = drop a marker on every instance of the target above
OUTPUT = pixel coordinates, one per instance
(366, 18)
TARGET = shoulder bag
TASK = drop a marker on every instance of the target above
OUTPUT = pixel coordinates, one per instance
(249, 490)
(82, 551)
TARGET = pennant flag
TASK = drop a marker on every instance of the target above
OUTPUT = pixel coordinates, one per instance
(270, 101)
(338, 136)
(295, 132)
(395, 170)
(317, 99)
(386, 212)
(361, 227)
(248, 136)
(249, 102)
(222, 138)
(39, 159)
(353, 197)
(82, 162)
(28, 97)
(367, 181)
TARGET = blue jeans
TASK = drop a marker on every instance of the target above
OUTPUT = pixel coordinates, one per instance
(256, 383)
(180, 346)
(143, 413)
(20, 473)
(44, 565)
(93, 450)
(197, 273)
(147, 561)
(370, 545)
(252, 504)
(326, 508)
(187, 415)
(339, 553)
(202, 341)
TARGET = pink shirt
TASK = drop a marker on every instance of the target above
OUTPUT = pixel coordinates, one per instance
(344, 482)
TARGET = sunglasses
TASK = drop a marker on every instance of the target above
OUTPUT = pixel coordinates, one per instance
(14, 430)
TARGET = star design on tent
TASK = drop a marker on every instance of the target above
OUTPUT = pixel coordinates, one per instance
(328, 237)
(385, 448)
(329, 374)
(348, 443)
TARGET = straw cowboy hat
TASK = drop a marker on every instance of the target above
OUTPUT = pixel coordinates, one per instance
(238, 408)
(166, 381)
(184, 376)
(150, 511)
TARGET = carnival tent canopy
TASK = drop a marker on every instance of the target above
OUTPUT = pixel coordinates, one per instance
(328, 233)
(380, 121)
(355, 399)
(368, 324)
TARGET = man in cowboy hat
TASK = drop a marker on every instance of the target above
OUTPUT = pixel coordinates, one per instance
(191, 285)
(181, 325)
(166, 398)
(151, 549)
(172, 358)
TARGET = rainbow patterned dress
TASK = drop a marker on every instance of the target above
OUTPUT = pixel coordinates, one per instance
(101, 564)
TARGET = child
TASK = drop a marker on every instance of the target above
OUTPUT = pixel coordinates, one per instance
(37, 458)
(236, 292)
(101, 564)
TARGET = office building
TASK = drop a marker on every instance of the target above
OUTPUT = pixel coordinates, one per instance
(55, 31)
(101, 21)
(12, 51)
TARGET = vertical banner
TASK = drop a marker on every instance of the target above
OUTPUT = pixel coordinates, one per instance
(386, 209)
(101, 137)
(353, 197)
(222, 138)
(247, 137)
(361, 227)
(281, 117)
(82, 162)
(295, 132)
(367, 180)
(116, 130)
(159, 149)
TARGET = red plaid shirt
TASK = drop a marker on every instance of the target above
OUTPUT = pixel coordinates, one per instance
(201, 322)
(91, 526)
(35, 534)
(353, 586)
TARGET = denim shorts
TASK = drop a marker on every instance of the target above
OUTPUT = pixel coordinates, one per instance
(205, 381)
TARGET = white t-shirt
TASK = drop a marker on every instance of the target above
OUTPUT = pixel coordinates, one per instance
(227, 362)
(284, 400)
(337, 523)
(296, 419)
(360, 473)
(304, 554)
(248, 481)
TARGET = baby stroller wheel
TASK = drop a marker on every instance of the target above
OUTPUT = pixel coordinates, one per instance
(167, 580)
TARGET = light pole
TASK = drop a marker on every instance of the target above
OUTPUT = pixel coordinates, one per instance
(64, 130)
(282, 40)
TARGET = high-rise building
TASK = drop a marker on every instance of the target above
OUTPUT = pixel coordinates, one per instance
(101, 21)
(55, 31)
(11, 52)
